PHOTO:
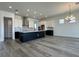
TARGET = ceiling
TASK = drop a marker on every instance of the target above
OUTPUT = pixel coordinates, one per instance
(38, 9)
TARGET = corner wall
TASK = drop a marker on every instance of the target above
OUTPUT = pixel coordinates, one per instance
(2, 15)
(16, 20)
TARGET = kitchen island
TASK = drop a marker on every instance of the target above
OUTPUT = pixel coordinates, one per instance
(30, 35)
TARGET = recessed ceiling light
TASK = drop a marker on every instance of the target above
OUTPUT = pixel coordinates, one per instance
(45, 16)
(10, 7)
(40, 13)
(35, 12)
(28, 10)
(16, 11)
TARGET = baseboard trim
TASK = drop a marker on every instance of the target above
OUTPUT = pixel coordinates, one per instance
(66, 37)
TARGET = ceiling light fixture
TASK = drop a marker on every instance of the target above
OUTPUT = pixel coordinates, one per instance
(28, 10)
(10, 7)
(70, 17)
(16, 11)
(40, 14)
(46, 16)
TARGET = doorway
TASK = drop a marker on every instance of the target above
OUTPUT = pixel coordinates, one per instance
(7, 28)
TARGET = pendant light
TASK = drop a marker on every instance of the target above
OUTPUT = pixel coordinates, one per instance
(16, 11)
(70, 17)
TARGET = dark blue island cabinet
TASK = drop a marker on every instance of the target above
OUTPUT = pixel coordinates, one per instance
(31, 35)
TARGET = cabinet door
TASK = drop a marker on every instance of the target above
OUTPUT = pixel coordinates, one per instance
(26, 37)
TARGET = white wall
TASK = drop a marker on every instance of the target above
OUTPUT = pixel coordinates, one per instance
(67, 30)
(50, 23)
(2, 15)
(16, 22)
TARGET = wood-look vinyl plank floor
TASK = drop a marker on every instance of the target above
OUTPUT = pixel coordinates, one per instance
(50, 46)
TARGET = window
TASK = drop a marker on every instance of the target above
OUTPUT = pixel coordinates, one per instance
(61, 21)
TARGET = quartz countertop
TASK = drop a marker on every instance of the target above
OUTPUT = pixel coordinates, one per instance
(30, 31)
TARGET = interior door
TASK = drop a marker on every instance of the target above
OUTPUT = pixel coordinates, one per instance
(7, 28)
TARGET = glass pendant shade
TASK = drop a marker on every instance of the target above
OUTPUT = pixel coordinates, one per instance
(70, 18)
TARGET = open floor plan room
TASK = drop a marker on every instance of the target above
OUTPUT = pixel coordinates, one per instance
(39, 29)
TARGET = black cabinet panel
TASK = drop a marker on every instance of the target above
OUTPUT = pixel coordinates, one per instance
(49, 32)
(26, 37)
(17, 34)
(23, 37)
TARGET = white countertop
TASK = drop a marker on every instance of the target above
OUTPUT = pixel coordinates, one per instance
(30, 31)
